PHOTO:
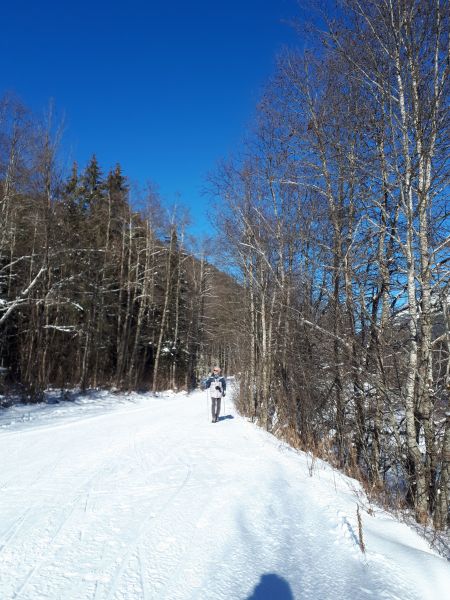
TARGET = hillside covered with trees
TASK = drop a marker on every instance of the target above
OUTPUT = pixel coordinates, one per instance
(95, 292)
(337, 213)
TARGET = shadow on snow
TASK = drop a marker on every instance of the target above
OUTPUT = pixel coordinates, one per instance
(272, 586)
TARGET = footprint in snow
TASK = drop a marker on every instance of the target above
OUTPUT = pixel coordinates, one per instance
(165, 544)
(202, 523)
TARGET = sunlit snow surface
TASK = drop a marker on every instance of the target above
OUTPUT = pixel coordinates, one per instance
(132, 497)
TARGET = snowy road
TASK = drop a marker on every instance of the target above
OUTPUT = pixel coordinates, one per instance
(152, 501)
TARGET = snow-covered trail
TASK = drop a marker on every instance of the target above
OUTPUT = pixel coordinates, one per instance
(153, 501)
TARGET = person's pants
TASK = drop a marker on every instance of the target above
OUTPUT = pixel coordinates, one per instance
(215, 408)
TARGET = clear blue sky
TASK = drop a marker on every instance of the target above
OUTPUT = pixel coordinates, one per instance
(164, 88)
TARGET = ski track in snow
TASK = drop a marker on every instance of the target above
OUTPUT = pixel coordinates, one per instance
(153, 501)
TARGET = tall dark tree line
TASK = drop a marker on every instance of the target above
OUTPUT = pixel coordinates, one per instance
(94, 292)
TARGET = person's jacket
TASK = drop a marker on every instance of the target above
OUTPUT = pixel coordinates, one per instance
(213, 381)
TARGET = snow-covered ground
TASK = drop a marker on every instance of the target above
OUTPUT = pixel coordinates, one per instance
(136, 497)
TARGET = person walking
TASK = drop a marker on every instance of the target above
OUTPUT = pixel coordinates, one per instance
(217, 387)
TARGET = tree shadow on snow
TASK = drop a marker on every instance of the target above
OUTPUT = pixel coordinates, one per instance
(271, 586)
(226, 417)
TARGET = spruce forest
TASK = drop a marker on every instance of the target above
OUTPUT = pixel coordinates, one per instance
(332, 305)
